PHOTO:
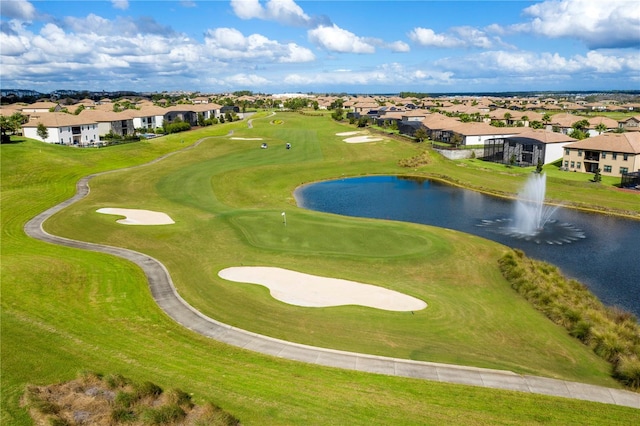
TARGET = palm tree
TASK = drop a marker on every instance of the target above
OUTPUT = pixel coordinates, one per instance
(600, 128)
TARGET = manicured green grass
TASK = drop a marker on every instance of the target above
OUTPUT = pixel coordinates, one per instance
(65, 310)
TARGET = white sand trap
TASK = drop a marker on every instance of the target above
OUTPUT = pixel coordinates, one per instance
(139, 217)
(348, 133)
(307, 290)
(362, 139)
(247, 139)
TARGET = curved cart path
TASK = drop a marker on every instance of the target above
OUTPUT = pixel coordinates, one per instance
(166, 296)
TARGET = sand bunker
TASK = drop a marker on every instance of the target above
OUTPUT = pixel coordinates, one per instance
(247, 139)
(307, 290)
(362, 139)
(348, 133)
(139, 217)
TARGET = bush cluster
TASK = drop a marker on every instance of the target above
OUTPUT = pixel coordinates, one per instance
(417, 161)
(611, 332)
(123, 401)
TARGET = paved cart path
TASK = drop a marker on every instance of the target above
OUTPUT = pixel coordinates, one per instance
(166, 296)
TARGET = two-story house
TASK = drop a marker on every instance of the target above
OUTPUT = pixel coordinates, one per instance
(613, 153)
(62, 128)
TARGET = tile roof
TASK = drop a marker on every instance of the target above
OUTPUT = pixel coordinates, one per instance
(58, 119)
(628, 142)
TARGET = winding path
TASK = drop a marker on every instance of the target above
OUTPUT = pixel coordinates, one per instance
(166, 296)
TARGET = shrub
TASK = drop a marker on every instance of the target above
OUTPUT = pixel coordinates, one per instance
(122, 415)
(114, 381)
(627, 370)
(148, 389)
(421, 159)
(125, 399)
(214, 415)
(164, 414)
(581, 331)
(179, 397)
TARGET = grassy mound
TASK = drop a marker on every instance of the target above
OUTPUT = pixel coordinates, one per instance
(612, 333)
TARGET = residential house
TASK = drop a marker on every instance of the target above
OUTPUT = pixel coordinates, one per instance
(118, 123)
(600, 124)
(614, 154)
(475, 134)
(39, 107)
(62, 128)
(528, 148)
(631, 124)
(149, 118)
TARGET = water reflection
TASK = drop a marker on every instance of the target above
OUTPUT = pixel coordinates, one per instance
(607, 260)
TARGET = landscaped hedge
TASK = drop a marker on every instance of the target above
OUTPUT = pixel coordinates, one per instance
(612, 333)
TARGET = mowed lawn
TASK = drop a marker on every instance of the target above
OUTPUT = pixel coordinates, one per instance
(66, 311)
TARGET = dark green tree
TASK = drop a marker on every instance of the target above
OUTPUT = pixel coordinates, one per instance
(421, 134)
(337, 114)
(597, 177)
(42, 131)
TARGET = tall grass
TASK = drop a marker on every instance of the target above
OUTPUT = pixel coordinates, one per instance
(612, 333)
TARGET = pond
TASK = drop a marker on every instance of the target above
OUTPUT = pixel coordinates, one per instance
(606, 257)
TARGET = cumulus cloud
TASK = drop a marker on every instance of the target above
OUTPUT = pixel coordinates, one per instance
(121, 26)
(231, 44)
(283, 11)
(336, 39)
(428, 37)
(541, 65)
(120, 4)
(457, 37)
(382, 75)
(18, 9)
(599, 24)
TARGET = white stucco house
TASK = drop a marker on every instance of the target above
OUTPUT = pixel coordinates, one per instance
(62, 128)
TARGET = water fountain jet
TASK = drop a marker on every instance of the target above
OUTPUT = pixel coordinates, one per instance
(532, 220)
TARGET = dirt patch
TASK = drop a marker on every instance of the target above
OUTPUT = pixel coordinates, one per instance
(114, 400)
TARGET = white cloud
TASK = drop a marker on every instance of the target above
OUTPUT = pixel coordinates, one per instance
(385, 74)
(18, 9)
(14, 41)
(120, 4)
(335, 39)
(398, 46)
(231, 44)
(428, 37)
(599, 24)
(246, 80)
(540, 65)
(458, 37)
(282, 11)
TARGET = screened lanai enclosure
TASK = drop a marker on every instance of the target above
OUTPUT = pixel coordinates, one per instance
(514, 150)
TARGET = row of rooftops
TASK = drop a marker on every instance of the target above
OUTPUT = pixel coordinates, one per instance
(455, 103)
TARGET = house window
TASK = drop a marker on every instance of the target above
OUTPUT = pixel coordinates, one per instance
(625, 157)
(607, 169)
(573, 164)
(604, 154)
(624, 170)
(615, 155)
(566, 151)
(579, 153)
(578, 164)
(566, 164)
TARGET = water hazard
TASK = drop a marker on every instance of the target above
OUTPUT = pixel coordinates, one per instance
(600, 251)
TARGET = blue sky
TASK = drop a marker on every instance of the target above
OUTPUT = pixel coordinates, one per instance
(275, 46)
